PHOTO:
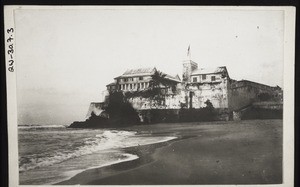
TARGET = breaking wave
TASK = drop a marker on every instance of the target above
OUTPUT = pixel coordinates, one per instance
(108, 139)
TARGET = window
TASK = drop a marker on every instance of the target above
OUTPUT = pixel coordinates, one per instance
(140, 78)
(130, 86)
(125, 80)
(213, 78)
(194, 79)
(203, 77)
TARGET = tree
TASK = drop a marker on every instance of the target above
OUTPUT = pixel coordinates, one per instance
(121, 111)
(157, 79)
(115, 100)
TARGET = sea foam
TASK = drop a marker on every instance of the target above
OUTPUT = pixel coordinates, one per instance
(108, 139)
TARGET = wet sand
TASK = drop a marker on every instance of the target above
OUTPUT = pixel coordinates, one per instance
(243, 152)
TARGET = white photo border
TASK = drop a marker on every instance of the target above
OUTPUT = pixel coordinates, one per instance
(288, 86)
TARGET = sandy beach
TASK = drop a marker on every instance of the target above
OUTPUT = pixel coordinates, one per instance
(234, 152)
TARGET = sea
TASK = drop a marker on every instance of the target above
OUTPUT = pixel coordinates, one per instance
(49, 154)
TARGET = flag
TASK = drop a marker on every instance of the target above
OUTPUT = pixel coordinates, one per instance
(189, 51)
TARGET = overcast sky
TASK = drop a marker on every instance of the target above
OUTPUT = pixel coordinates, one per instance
(66, 57)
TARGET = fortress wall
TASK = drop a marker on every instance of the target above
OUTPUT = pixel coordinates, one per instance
(216, 93)
(182, 115)
(223, 94)
(241, 97)
(140, 103)
(218, 96)
(244, 93)
(169, 102)
(174, 101)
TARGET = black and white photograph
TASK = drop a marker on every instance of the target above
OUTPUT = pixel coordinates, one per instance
(157, 95)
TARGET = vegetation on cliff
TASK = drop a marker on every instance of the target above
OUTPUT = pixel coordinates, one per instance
(120, 111)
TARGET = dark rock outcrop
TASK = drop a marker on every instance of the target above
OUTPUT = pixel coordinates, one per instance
(121, 114)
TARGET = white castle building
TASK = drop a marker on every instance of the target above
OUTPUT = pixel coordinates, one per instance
(198, 85)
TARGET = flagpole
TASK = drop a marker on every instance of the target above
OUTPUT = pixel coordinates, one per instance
(189, 52)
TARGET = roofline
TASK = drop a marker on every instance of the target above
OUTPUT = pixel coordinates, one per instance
(207, 73)
(134, 75)
(243, 80)
(137, 75)
(154, 69)
(224, 67)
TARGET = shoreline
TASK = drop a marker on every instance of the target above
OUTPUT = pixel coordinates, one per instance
(143, 152)
(76, 172)
(245, 152)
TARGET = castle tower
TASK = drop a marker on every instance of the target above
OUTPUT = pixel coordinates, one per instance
(188, 67)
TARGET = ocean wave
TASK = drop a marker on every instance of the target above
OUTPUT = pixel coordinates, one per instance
(108, 139)
(125, 158)
(40, 126)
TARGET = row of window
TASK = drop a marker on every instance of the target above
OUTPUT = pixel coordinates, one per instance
(134, 86)
(195, 79)
(131, 79)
